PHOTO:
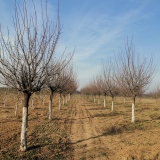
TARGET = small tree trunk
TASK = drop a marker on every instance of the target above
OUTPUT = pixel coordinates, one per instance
(66, 99)
(112, 104)
(50, 105)
(104, 101)
(23, 144)
(50, 110)
(133, 118)
(60, 97)
(133, 110)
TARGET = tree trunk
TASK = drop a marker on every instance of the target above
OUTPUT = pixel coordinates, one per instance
(104, 101)
(66, 99)
(112, 104)
(60, 97)
(23, 144)
(50, 105)
(133, 110)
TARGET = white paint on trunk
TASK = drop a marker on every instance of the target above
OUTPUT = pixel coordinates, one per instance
(133, 108)
(104, 102)
(50, 110)
(23, 144)
(112, 106)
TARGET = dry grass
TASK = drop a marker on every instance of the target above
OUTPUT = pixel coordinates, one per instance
(50, 140)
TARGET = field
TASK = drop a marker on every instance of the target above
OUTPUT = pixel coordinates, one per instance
(81, 130)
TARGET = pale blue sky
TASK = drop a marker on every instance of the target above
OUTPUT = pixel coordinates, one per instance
(99, 27)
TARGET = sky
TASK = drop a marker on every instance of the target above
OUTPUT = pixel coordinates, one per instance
(98, 28)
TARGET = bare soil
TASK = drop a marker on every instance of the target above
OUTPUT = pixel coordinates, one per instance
(82, 130)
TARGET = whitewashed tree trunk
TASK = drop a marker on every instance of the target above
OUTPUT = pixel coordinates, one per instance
(104, 102)
(133, 117)
(50, 110)
(16, 109)
(23, 143)
(112, 106)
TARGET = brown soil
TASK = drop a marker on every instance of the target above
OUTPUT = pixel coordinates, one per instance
(82, 130)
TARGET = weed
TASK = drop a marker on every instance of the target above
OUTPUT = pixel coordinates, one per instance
(155, 116)
(103, 154)
(82, 158)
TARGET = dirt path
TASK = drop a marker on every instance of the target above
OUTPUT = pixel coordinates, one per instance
(85, 135)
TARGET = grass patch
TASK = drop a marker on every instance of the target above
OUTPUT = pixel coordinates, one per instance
(125, 127)
(107, 114)
(45, 141)
(155, 116)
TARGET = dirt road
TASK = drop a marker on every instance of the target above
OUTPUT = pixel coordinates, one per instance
(96, 133)
(85, 135)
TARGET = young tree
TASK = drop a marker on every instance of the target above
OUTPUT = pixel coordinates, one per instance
(54, 69)
(24, 59)
(98, 85)
(109, 80)
(135, 73)
(66, 78)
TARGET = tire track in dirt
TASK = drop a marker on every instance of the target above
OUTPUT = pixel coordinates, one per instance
(85, 137)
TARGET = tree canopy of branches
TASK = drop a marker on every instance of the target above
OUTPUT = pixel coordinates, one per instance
(24, 59)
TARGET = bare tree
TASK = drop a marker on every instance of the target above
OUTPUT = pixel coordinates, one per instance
(109, 80)
(98, 85)
(66, 78)
(135, 73)
(24, 59)
(54, 69)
